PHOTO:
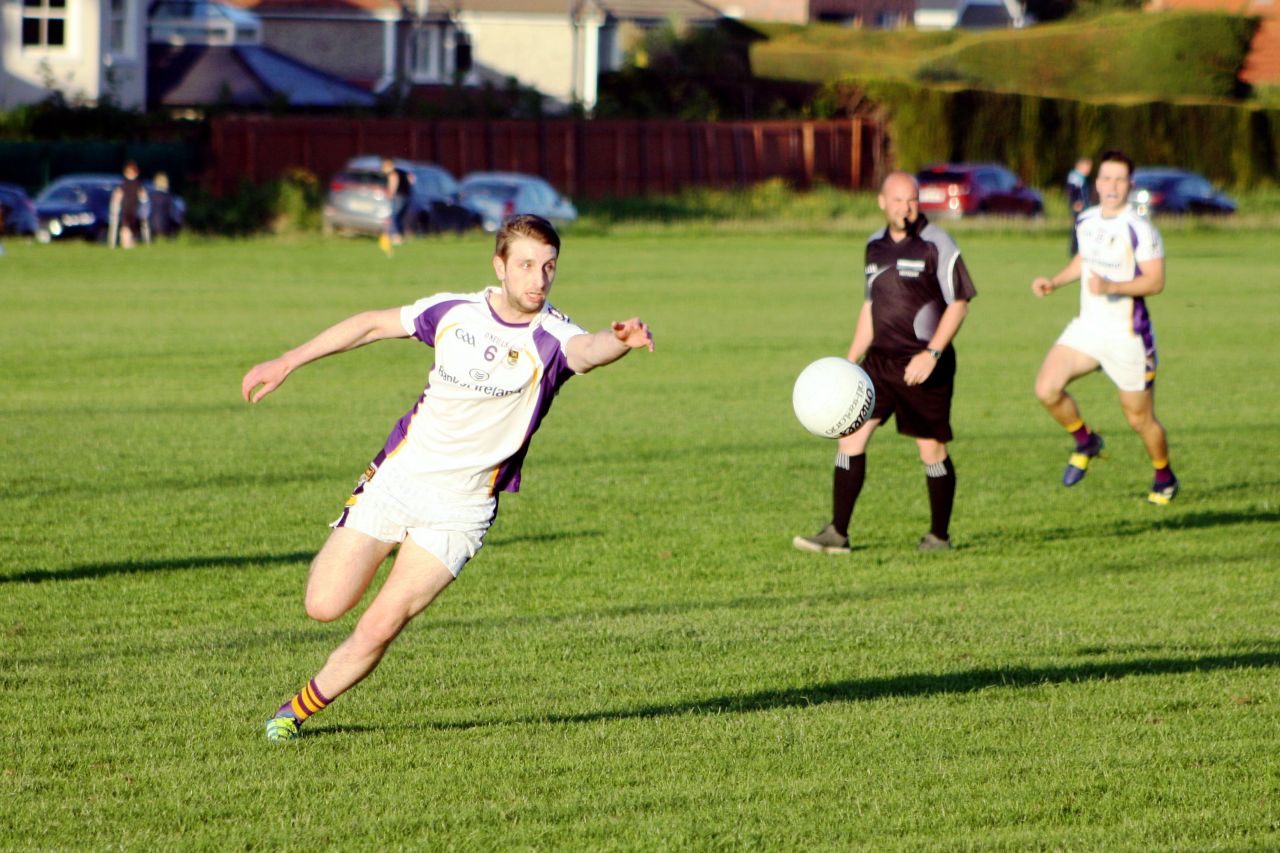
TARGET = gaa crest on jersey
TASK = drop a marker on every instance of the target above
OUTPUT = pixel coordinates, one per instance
(513, 356)
(908, 268)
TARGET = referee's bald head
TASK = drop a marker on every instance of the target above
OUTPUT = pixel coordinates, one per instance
(893, 181)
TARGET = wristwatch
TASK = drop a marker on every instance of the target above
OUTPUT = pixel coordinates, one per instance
(936, 353)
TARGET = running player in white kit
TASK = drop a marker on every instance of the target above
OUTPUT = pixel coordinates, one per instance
(1120, 263)
(500, 357)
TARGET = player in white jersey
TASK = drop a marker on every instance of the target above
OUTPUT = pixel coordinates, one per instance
(500, 357)
(1120, 263)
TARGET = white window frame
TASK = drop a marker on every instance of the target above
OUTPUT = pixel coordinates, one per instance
(45, 13)
(124, 16)
(429, 71)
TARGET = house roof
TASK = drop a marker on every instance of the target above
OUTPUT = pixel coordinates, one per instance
(622, 9)
(243, 75)
(318, 5)
(978, 15)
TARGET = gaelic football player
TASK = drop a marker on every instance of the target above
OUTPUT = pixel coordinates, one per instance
(501, 355)
(1120, 263)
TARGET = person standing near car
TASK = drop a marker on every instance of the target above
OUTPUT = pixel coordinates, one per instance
(1120, 263)
(161, 215)
(916, 297)
(399, 191)
(127, 201)
(1078, 196)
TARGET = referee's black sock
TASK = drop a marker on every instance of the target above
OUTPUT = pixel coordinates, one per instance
(846, 484)
(941, 480)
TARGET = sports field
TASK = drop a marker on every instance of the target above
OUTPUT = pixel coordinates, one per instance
(638, 659)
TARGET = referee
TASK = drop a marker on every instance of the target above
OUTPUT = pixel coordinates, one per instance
(917, 295)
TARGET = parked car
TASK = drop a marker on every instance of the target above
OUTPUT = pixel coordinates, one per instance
(79, 206)
(357, 201)
(964, 189)
(1166, 190)
(497, 195)
(17, 211)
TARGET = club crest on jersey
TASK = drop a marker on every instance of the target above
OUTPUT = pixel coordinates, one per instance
(908, 268)
(513, 355)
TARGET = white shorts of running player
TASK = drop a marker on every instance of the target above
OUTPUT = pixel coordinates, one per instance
(1126, 358)
(450, 527)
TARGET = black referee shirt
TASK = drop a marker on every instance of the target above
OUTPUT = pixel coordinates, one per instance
(909, 284)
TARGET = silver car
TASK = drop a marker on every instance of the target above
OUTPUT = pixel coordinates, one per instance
(497, 195)
(357, 201)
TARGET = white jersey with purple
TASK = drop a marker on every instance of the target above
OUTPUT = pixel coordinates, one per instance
(1114, 329)
(1112, 248)
(489, 389)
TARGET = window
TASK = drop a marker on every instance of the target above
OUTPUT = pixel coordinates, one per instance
(423, 49)
(118, 41)
(44, 23)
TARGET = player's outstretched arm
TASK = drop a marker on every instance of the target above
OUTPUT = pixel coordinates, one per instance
(352, 332)
(587, 352)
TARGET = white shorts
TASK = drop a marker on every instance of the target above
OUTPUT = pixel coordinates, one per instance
(450, 527)
(1128, 359)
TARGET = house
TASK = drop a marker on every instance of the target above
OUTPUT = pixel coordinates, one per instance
(202, 53)
(968, 14)
(560, 48)
(781, 11)
(376, 44)
(92, 51)
(880, 14)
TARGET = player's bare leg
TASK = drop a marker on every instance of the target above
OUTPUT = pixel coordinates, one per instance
(847, 478)
(940, 477)
(342, 571)
(1061, 366)
(1140, 410)
(416, 578)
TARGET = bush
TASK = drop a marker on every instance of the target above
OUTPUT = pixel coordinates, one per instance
(1040, 138)
(289, 205)
(1171, 55)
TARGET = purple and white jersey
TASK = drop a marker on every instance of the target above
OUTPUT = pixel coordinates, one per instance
(1113, 247)
(490, 387)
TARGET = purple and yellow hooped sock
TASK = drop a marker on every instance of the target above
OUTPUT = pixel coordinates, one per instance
(308, 701)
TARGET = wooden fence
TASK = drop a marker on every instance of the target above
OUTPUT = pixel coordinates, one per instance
(587, 159)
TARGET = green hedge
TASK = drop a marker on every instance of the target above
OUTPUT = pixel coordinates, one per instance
(1040, 138)
(1165, 56)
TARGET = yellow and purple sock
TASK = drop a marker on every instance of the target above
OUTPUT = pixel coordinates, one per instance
(1164, 472)
(1079, 432)
(308, 701)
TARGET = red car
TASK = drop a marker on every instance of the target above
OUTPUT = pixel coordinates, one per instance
(965, 189)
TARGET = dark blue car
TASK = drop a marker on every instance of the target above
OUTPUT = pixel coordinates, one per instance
(1165, 190)
(79, 206)
(17, 211)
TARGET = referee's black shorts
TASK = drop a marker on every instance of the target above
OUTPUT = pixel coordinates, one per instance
(923, 411)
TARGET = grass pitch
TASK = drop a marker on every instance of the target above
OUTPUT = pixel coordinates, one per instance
(638, 659)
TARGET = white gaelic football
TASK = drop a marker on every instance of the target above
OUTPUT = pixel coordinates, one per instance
(833, 397)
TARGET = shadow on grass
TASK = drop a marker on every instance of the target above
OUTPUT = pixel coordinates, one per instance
(125, 567)
(1130, 527)
(554, 536)
(908, 686)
